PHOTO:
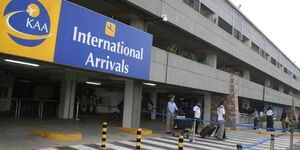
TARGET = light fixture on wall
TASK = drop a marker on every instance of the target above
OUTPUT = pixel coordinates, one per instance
(21, 62)
(149, 84)
(93, 83)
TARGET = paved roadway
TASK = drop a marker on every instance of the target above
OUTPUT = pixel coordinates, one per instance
(170, 143)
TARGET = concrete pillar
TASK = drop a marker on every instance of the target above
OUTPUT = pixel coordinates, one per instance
(207, 107)
(211, 59)
(246, 74)
(231, 104)
(281, 88)
(132, 104)
(153, 98)
(67, 98)
(133, 91)
(268, 83)
(6, 95)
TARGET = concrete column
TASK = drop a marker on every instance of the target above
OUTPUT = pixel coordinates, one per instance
(153, 98)
(207, 107)
(231, 104)
(132, 104)
(246, 74)
(268, 83)
(67, 98)
(7, 85)
(281, 88)
(211, 59)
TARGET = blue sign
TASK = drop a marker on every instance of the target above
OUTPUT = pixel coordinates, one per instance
(87, 39)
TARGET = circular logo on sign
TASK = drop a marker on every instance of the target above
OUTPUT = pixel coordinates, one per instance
(28, 22)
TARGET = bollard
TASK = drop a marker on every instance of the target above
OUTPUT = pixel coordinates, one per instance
(291, 139)
(239, 147)
(138, 139)
(180, 143)
(104, 129)
(272, 142)
(194, 131)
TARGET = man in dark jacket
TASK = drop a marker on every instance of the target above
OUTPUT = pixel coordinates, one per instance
(283, 119)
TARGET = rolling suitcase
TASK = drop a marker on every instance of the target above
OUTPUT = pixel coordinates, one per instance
(207, 131)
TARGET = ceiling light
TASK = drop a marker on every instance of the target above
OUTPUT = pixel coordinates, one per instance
(93, 83)
(149, 84)
(21, 62)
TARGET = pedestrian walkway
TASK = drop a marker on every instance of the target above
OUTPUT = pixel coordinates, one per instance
(210, 143)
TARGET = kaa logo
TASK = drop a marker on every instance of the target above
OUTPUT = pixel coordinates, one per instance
(28, 22)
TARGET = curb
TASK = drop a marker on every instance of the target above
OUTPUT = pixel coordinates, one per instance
(57, 136)
(277, 133)
(134, 131)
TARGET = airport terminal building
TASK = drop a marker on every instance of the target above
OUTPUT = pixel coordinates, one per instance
(97, 53)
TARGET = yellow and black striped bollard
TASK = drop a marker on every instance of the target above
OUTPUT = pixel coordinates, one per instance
(180, 143)
(104, 129)
(138, 139)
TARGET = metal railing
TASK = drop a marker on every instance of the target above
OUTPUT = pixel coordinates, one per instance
(246, 118)
(33, 106)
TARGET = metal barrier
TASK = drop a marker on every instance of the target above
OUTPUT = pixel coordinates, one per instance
(77, 111)
(272, 143)
(291, 139)
(28, 104)
(271, 139)
(246, 118)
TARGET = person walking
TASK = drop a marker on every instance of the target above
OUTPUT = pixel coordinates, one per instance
(221, 119)
(269, 115)
(171, 109)
(149, 108)
(197, 115)
(283, 119)
(256, 118)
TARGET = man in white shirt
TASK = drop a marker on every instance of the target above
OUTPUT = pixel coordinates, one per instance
(221, 119)
(270, 122)
(171, 109)
(197, 115)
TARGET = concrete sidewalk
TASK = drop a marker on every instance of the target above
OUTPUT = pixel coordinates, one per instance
(14, 134)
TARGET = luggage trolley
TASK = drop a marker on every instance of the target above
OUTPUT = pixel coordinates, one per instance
(182, 126)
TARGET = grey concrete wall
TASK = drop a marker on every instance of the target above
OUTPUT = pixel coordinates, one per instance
(185, 72)
(176, 70)
(158, 65)
(153, 6)
(249, 89)
(297, 102)
(198, 25)
(277, 97)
